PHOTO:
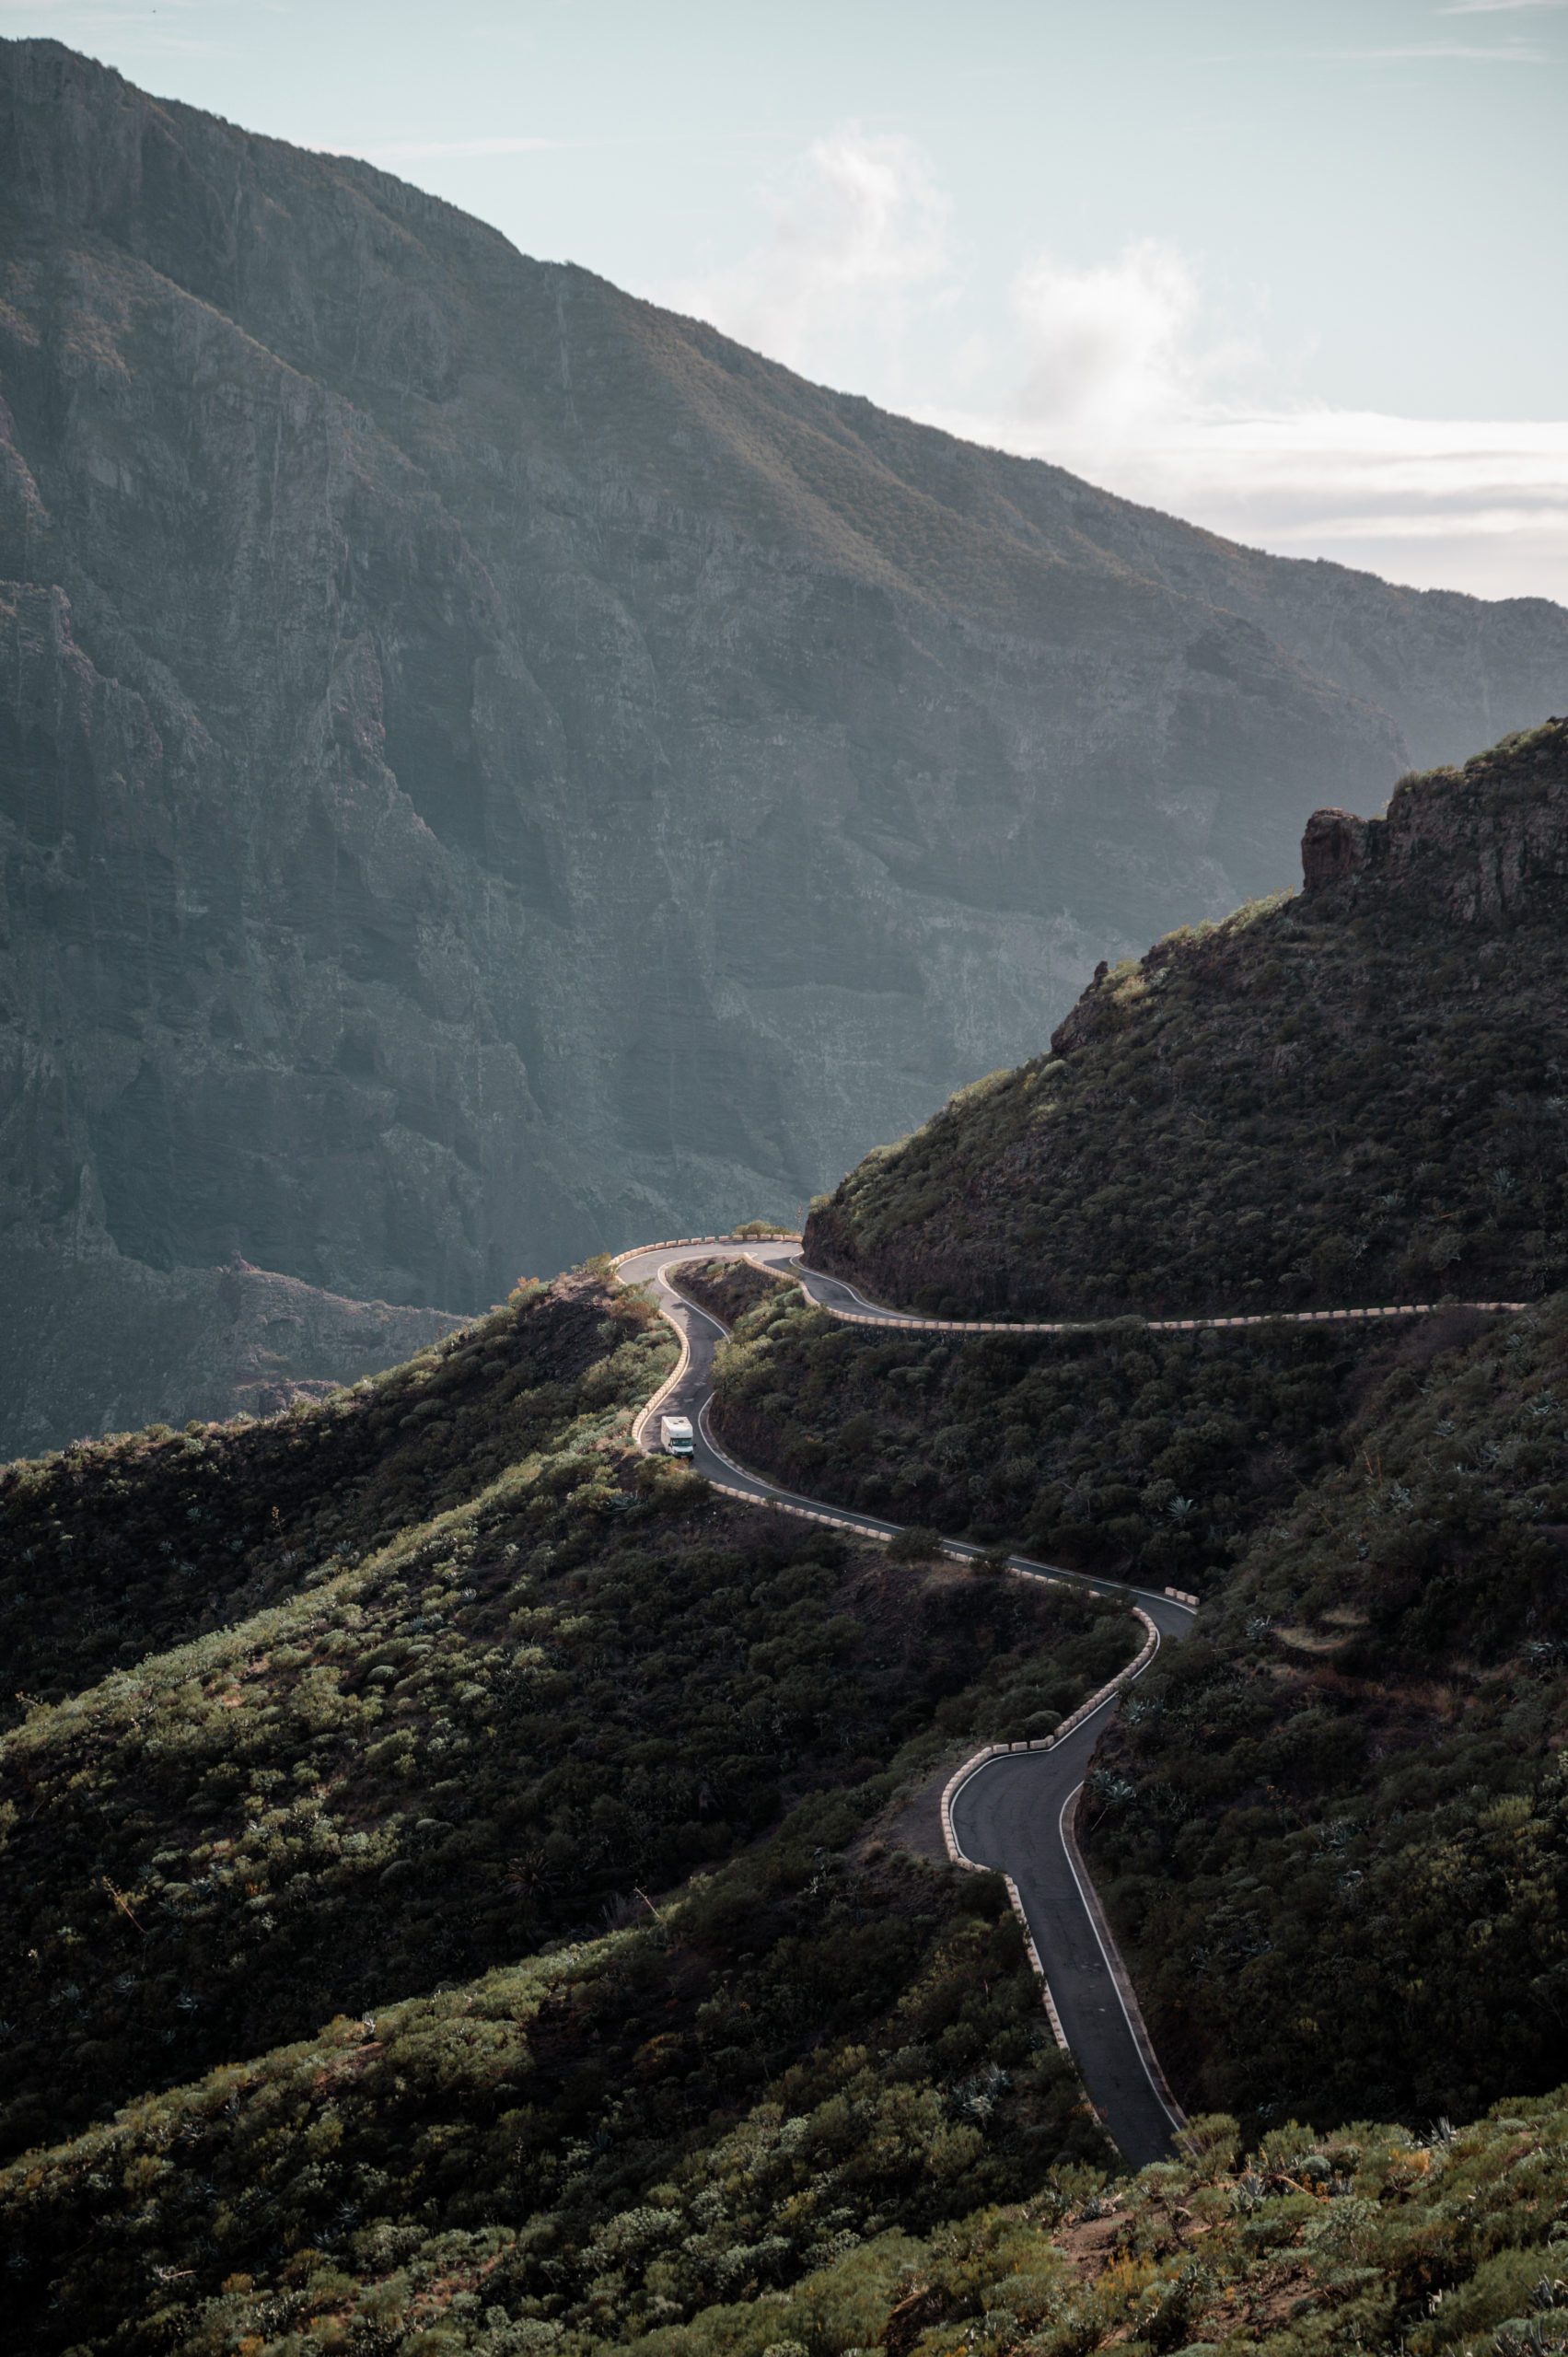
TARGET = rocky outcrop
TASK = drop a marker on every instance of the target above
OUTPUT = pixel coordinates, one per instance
(1486, 841)
(1083, 1019)
(1333, 848)
(489, 770)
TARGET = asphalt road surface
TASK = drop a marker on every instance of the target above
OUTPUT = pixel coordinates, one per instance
(1010, 1812)
(1011, 1815)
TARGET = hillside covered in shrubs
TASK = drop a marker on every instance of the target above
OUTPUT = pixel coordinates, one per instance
(468, 1886)
(1142, 1455)
(493, 1810)
(818, 2042)
(1353, 1094)
(523, 1725)
(116, 1547)
(1334, 1828)
(1331, 1827)
(384, 2189)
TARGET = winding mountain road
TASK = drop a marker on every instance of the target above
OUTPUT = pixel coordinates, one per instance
(1012, 1812)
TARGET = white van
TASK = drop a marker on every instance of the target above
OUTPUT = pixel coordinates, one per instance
(675, 1436)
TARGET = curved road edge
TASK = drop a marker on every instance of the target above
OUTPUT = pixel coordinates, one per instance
(842, 1300)
(1067, 1824)
(1005, 1809)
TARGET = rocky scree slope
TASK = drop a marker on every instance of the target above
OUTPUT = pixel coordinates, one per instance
(489, 769)
(1355, 1095)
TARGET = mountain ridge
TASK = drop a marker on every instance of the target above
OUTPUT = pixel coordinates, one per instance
(510, 770)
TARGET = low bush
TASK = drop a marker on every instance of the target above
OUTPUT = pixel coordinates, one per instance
(114, 1549)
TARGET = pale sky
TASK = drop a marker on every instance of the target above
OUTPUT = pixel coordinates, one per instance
(1295, 269)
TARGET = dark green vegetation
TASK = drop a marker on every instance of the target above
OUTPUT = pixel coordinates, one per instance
(1330, 1827)
(808, 2049)
(1358, 1094)
(518, 1718)
(729, 1288)
(568, 1797)
(114, 1549)
(1148, 1456)
(548, 1783)
(1366, 2239)
(1333, 1827)
(415, 2186)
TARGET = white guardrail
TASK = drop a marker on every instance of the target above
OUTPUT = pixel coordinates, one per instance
(1104, 1934)
(977, 1760)
(902, 1319)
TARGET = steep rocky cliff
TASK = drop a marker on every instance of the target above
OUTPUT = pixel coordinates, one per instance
(488, 767)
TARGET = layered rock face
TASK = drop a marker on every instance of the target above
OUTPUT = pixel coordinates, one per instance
(1486, 843)
(490, 770)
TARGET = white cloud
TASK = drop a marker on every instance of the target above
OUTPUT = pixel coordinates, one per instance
(860, 230)
(1116, 349)
(1495, 7)
(1476, 504)
(1124, 370)
(1122, 373)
